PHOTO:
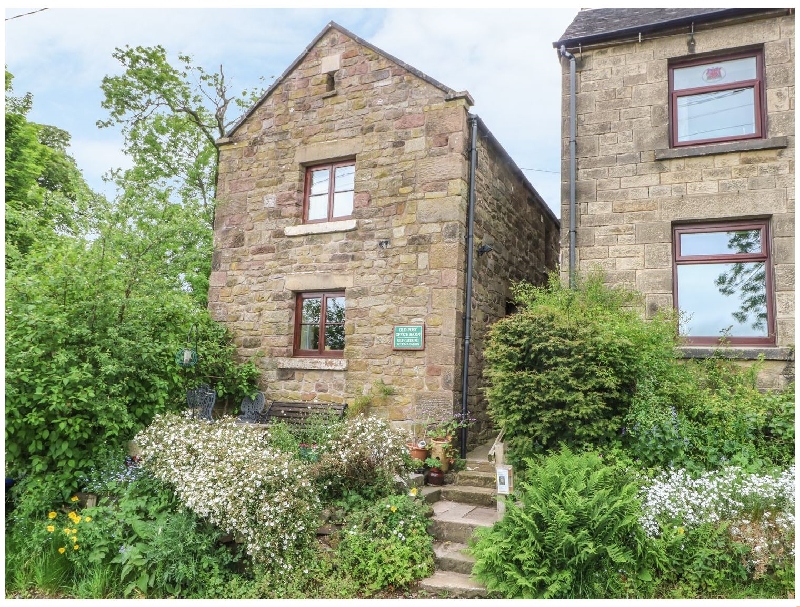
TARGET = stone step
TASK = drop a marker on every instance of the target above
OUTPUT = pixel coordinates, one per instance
(474, 478)
(452, 585)
(450, 556)
(479, 496)
(477, 465)
(431, 494)
(456, 522)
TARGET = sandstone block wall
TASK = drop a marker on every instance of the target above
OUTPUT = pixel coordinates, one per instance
(400, 260)
(631, 187)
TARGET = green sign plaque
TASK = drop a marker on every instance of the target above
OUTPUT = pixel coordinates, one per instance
(408, 337)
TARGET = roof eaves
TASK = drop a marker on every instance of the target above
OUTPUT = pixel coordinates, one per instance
(713, 15)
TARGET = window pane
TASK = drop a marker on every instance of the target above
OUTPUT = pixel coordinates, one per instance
(718, 114)
(317, 207)
(334, 337)
(720, 243)
(345, 178)
(717, 298)
(309, 337)
(342, 204)
(320, 181)
(311, 310)
(335, 310)
(714, 74)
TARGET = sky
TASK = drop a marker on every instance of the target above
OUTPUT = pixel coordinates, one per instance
(503, 57)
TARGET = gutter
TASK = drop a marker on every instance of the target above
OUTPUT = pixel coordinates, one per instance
(473, 163)
(572, 154)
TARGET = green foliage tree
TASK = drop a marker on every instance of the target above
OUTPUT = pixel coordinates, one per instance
(565, 367)
(45, 192)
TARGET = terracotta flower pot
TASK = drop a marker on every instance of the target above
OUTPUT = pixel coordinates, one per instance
(418, 452)
(439, 448)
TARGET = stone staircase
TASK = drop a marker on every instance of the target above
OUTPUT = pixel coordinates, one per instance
(458, 510)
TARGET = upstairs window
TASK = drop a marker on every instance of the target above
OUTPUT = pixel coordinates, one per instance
(722, 283)
(717, 100)
(319, 330)
(329, 192)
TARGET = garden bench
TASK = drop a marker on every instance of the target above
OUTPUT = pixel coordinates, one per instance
(298, 413)
(251, 409)
(200, 401)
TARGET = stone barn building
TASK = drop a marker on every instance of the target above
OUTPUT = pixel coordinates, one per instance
(342, 234)
(683, 180)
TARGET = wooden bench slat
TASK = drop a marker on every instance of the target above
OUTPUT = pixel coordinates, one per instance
(299, 412)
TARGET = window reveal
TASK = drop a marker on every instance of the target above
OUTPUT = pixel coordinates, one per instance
(722, 283)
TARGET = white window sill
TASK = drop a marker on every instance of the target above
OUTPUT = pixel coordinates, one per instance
(327, 227)
(317, 364)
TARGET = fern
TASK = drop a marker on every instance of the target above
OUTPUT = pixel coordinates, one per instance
(571, 531)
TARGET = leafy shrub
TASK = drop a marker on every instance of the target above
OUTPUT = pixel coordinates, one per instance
(564, 368)
(228, 474)
(386, 546)
(571, 530)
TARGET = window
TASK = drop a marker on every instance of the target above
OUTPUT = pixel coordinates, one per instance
(722, 282)
(329, 192)
(717, 100)
(319, 329)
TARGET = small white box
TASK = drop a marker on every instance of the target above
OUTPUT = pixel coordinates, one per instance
(505, 479)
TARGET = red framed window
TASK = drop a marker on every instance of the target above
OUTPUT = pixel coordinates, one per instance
(319, 327)
(722, 282)
(719, 99)
(329, 191)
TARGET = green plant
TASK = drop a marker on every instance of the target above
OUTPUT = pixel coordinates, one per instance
(447, 428)
(361, 404)
(570, 530)
(564, 368)
(433, 462)
(387, 545)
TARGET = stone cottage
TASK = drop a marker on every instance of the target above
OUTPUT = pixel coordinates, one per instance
(342, 234)
(678, 169)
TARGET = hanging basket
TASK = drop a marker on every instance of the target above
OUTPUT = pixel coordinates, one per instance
(187, 357)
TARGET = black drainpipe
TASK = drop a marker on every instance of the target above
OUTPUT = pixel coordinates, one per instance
(572, 154)
(473, 163)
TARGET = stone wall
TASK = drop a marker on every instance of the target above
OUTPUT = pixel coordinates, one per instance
(631, 186)
(523, 232)
(399, 261)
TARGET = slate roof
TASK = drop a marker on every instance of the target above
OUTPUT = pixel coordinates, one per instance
(336, 26)
(602, 24)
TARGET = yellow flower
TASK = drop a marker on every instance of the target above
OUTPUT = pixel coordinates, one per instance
(62, 550)
(88, 519)
(67, 530)
(413, 492)
(394, 508)
(51, 528)
(52, 515)
(75, 547)
(74, 531)
(77, 519)
(74, 538)
(680, 530)
(74, 498)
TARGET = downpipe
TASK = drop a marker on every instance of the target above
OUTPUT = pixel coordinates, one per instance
(572, 155)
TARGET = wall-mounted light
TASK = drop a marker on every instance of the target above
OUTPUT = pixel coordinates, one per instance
(484, 248)
(690, 43)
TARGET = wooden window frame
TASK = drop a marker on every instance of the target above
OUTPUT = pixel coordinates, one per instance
(764, 256)
(331, 166)
(320, 352)
(756, 84)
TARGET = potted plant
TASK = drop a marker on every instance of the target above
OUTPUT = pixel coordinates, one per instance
(435, 474)
(441, 434)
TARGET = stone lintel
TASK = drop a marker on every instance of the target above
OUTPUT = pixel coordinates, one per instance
(773, 143)
(328, 151)
(317, 364)
(327, 227)
(313, 281)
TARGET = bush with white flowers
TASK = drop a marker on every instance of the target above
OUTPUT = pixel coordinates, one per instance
(227, 473)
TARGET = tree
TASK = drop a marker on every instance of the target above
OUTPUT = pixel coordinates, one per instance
(46, 194)
(747, 280)
(171, 118)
